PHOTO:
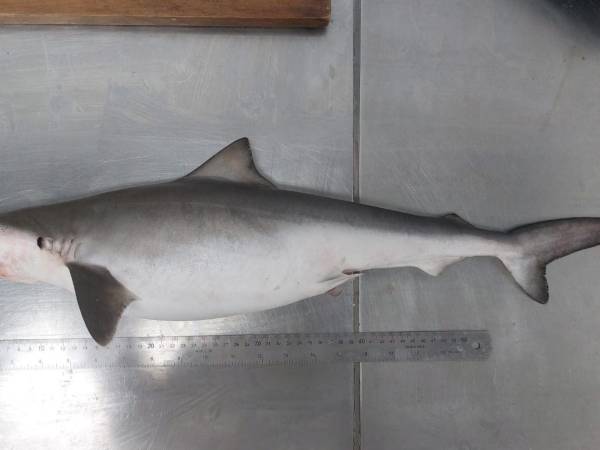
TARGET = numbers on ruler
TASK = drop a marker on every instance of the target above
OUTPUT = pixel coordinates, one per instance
(239, 350)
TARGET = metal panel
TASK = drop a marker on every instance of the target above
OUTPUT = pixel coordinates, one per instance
(177, 409)
(85, 110)
(488, 109)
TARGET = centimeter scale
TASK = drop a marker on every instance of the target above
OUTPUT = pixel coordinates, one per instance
(247, 350)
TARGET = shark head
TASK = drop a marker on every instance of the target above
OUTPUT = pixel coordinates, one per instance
(19, 254)
(24, 260)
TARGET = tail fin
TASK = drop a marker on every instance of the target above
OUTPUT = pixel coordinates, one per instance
(541, 243)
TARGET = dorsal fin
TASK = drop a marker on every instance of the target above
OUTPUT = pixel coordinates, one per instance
(234, 163)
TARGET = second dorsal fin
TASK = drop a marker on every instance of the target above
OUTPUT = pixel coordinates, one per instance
(457, 219)
(233, 163)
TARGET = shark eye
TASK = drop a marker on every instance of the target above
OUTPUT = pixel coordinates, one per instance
(40, 242)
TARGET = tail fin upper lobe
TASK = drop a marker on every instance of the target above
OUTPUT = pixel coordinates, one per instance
(541, 243)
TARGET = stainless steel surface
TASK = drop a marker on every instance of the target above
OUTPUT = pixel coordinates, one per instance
(84, 110)
(245, 350)
(178, 409)
(488, 109)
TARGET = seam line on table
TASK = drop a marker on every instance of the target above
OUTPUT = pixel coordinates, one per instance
(356, 68)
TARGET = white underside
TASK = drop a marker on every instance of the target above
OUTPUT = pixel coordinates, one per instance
(224, 278)
(299, 266)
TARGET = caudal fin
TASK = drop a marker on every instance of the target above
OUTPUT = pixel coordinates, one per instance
(541, 243)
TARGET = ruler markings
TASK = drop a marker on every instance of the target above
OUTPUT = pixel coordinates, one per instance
(249, 350)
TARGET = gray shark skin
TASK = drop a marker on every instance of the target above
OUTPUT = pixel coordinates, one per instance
(223, 240)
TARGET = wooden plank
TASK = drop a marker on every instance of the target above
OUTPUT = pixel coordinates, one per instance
(228, 13)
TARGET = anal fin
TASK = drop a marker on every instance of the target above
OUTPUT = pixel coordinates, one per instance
(434, 267)
(101, 298)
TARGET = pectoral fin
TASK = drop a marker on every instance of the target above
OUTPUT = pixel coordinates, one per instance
(101, 298)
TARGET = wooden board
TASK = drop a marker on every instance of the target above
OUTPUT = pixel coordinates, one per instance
(229, 13)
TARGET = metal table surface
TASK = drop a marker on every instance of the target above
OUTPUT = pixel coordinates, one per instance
(87, 109)
(489, 109)
(484, 108)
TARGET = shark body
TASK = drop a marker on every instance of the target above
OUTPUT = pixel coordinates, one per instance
(223, 240)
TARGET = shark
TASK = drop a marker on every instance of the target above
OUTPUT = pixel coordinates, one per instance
(224, 240)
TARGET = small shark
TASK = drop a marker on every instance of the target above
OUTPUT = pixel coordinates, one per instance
(224, 240)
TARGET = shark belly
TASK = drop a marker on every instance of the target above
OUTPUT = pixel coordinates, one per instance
(222, 267)
(266, 271)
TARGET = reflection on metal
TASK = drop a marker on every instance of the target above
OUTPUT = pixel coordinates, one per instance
(24, 392)
(82, 109)
(248, 350)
